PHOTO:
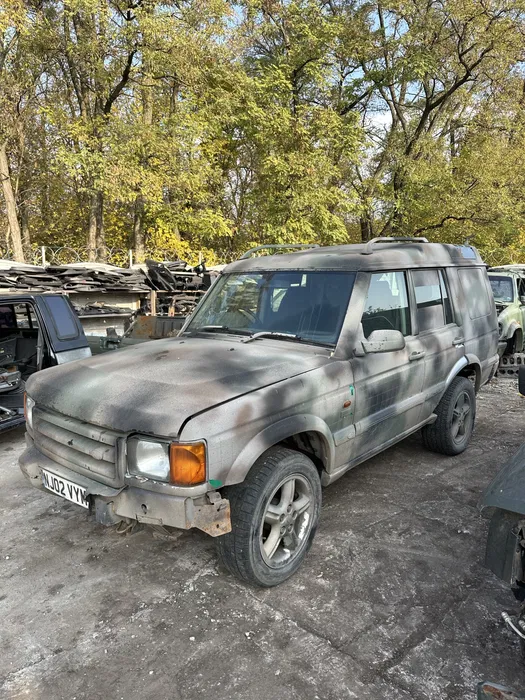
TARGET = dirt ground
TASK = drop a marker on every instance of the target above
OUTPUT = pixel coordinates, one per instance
(392, 603)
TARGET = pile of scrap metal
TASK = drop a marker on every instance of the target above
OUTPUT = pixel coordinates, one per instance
(180, 287)
(175, 277)
(78, 277)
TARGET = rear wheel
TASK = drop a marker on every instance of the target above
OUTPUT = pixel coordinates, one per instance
(274, 516)
(456, 412)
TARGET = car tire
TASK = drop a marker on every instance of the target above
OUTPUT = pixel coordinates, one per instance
(456, 412)
(512, 345)
(274, 517)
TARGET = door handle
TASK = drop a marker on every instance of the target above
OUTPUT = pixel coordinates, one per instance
(458, 341)
(416, 355)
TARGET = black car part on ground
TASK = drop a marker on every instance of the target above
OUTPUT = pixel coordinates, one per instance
(505, 552)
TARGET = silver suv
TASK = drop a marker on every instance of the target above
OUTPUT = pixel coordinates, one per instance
(293, 369)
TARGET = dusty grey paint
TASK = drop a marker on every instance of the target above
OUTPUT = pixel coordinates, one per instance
(242, 398)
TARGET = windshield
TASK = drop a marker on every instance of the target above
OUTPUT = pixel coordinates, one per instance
(502, 288)
(307, 305)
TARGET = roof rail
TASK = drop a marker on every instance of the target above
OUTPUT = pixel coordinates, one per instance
(369, 248)
(250, 252)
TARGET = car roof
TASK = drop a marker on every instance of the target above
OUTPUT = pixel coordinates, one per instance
(508, 270)
(381, 255)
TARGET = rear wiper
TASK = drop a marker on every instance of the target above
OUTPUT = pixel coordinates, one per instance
(220, 329)
(272, 334)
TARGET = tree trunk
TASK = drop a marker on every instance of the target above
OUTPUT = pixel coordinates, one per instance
(366, 227)
(92, 228)
(138, 228)
(140, 201)
(102, 253)
(10, 205)
(26, 236)
(398, 219)
(96, 242)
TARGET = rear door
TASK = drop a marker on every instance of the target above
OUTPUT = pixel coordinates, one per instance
(438, 331)
(63, 328)
(388, 385)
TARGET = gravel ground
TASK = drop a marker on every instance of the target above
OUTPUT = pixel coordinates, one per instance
(392, 603)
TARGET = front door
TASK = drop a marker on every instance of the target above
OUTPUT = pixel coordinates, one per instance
(388, 385)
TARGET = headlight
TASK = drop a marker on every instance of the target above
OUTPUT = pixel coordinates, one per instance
(28, 410)
(182, 464)
(149, 458)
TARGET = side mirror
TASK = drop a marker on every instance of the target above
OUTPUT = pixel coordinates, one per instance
(522, 300)
(385, 340)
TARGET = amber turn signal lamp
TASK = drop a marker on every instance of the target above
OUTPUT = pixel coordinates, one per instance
(187, 463)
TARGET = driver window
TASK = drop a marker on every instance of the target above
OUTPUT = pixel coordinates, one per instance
(386, 305)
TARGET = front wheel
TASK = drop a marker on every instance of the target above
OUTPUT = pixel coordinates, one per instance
(450, 434)
(274, 516)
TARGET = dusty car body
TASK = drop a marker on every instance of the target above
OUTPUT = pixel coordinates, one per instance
(36, 331)
(508, 287)
(292, 370)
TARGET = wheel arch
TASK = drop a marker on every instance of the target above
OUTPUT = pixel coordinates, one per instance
(468, 366)
(513, 328)
(306, 433)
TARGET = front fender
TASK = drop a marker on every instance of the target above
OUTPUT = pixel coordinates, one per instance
(276, 433)
(514, 326)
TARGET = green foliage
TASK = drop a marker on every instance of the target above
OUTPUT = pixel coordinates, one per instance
(206, 126)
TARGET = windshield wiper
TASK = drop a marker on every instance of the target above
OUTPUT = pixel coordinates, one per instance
(219, 329)
(272, 334)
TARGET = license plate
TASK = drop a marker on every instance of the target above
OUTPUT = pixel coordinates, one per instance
(66, 489)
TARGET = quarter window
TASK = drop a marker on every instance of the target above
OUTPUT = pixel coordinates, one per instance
(387, 304)
(473, 281)
(432, 300)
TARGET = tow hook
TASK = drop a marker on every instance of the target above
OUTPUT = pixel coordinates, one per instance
(517, 627)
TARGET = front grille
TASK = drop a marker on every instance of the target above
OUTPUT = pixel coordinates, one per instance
(84, 448)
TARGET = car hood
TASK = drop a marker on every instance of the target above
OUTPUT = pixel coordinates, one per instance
(155, 387)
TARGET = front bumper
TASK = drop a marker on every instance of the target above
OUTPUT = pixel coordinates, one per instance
(209, 513)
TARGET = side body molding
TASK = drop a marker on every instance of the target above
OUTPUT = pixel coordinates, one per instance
(277, 432)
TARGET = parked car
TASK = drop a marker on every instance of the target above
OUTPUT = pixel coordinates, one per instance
(292, 370)
(508, 287)
(36, 331)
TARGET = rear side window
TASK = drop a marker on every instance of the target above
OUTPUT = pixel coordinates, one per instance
(473, 281)
(387, 304)
(433, 304)
(62, 316)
